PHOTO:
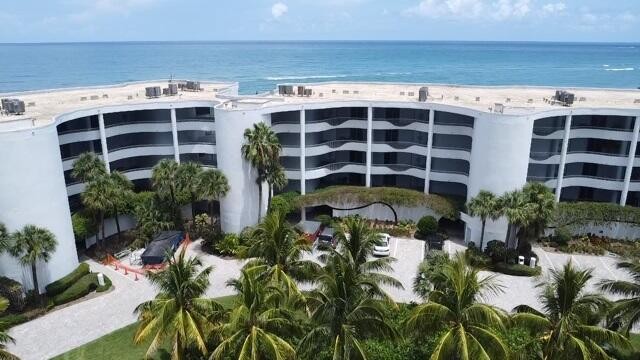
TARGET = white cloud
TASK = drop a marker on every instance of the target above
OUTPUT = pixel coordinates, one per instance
(554, 8)
(591, 21)
(472, 9)
(508, 9)
(278, 9)
(108, 7)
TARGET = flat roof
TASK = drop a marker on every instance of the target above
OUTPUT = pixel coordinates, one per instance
(43, 106)
(515, 99)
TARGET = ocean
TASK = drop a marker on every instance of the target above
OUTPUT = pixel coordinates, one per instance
(259, 66)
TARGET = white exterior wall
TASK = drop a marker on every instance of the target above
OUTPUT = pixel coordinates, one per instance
(33, 191)
(382, 212)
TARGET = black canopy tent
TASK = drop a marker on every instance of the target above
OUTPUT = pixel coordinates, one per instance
(156, 251)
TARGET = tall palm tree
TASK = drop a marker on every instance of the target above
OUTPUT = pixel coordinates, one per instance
(179, 312)
(164, 178)
(4, 238)
(99, 196)
(4, 337)
(212, 186)
(188, 177)
(471, 328)
(519, 212)
(262, 150)
(626, 310)
(88, 166)
(257, 326)
(276, 244)
(121, 190)
(31, 245)
(565, 326)
(485, 206)
(347, 305)
(276, 178)
(543, 203)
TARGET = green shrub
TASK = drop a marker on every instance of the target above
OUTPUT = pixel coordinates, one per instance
(83, 225)
(324, 219)
(428, 225)
(229, 245)
(284, 203)
(81, 288)
(496, 250)
(14, 292)
(62, 284)
(516, 269)
(477, 258)
(562, 236)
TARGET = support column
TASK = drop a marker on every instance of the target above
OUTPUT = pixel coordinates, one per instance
(303, 161)
(630, 161)
(563, 156)
(427, 166)
(174, 133)
(103, 142)
(369, 143)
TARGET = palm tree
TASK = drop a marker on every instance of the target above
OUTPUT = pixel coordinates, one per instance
(4, 238)
(121, 190)
(88, 166)
(256, 328)
(179, 312)
(262, 150)
(276, 178)
(188, 177)
(519, 212)
(31, 245)
(164, 178)
(471, 328)
(626, 310)
(345, 306)
(276, 244)
(542, 202)
(99, 196)
(4, 337)
(566, 325)
(485, 206)
(212, 186)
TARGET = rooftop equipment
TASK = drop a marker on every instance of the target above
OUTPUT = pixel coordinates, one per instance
(423, 93)
(13, 106)
(499, 108)
(307, 92)
(153, 91)
(173, 89)
(193, 86)
(565, 97)
(285, 90)
(301, 90)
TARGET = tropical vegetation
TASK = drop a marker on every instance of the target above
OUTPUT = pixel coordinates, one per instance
(4, 337)
(31, 245)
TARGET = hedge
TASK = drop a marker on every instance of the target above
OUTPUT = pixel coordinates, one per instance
(81, 288)
(573, 214)
(516, 269)
(394, 196)
(62, 284)
(14, 292)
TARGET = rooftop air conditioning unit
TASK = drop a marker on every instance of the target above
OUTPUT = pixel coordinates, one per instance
(193, 85)
(307, 92)
(288, 90)
(282, 90)
(172, 89)
(13, 106)
(153, 91)
(423, 93)
(565, 97)
(499, 108)
(300, 90)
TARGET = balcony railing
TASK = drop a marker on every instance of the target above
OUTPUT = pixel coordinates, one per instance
(400, 144)
(401, 122)
(334, 120)
(335, 166)
(336, 143)
(399, 167)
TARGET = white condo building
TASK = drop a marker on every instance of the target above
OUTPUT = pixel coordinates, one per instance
(458, 141)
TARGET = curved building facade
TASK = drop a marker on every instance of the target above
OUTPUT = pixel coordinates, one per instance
(456, 142)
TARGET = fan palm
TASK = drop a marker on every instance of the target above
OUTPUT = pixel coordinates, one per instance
(99, 196)
(212, 186)
(347, 305)
(4, 238)
(179, 312)
(542, 202)
(276, 178)
(258, 325)
(565, 326)
(31, 245)
(626, 310)
(275, 243)
(519, 212)
(121, 190)
(88, 166)
(471, 328)
(485, 206)
(4, 337)
(164, 178)
(262, 150)
(188, 177)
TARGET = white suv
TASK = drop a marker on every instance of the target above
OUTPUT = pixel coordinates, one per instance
(382, 249)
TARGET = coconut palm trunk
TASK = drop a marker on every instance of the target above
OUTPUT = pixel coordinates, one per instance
(484, 223)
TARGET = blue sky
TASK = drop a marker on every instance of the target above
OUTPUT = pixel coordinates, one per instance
(132, 20)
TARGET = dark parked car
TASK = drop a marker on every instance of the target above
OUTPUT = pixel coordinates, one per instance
(326, 238)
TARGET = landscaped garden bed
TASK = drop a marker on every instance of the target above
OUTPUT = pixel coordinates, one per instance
(592, 244)
(496, 257)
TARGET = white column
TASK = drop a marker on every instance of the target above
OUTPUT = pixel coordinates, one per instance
(563, 156)
(427, 167)
(174, 132)
(303, 152)
(369, 142)
(103, 141)
(630, 161)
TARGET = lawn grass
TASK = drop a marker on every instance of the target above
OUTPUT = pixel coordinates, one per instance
(635, 340)
(119, 344)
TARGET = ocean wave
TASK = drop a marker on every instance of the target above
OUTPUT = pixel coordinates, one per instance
(620, 69)
(302, 77)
